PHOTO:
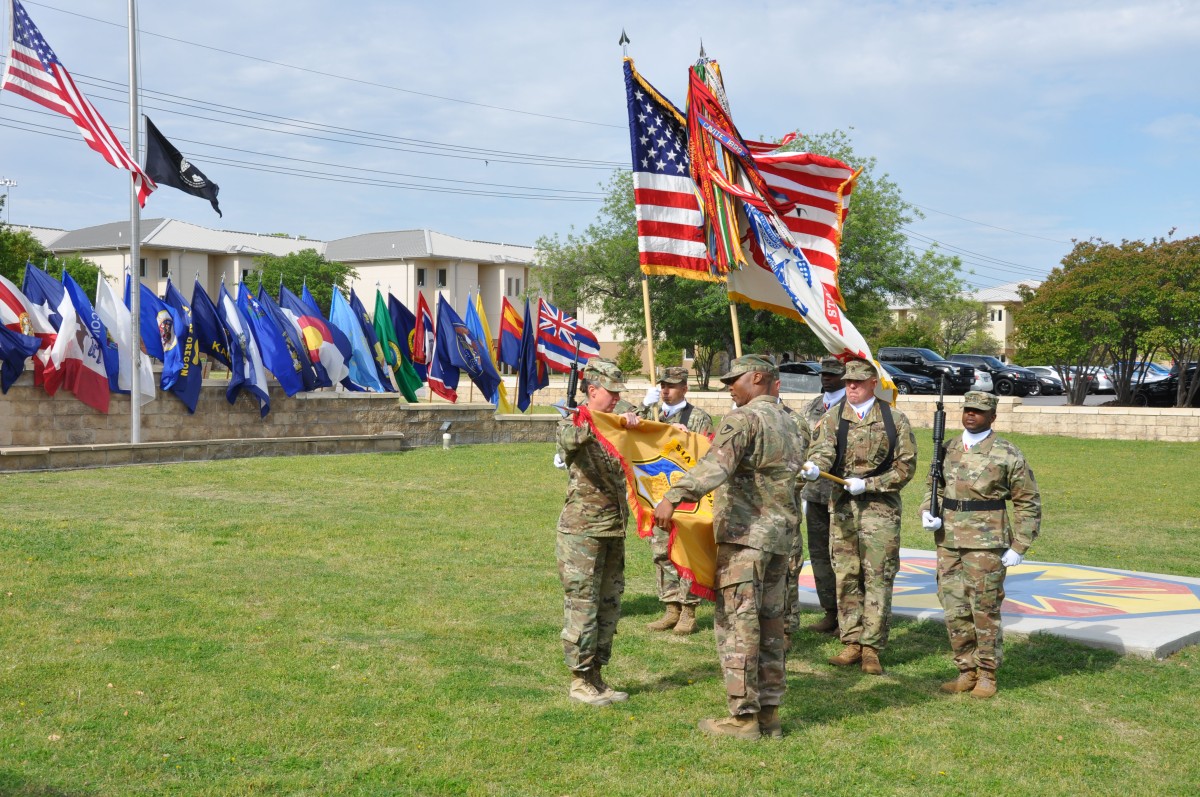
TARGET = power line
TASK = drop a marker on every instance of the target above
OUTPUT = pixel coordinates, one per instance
(332, 74)
(984, 224)
(951, 247)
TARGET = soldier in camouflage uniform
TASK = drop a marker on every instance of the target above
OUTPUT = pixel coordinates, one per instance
(976, 542)
(753, 465)
(791, 612)
(669, 398)
(817, 495)
(591, 542)
(864, 540)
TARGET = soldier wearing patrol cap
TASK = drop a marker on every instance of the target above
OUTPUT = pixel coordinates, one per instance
(753, 465)
(977, 541)
(670, 398)
(872, 447)
(591, 541)
(816, 496)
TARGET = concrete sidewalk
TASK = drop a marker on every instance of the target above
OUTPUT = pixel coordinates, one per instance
(1145, 614)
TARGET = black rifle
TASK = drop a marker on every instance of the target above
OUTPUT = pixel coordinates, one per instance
(937, 478)
(573, 379)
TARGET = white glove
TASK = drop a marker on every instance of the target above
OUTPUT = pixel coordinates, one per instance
(559, 462)
(855, 486)
(653, 396)
(1011, 558)
(929, 522)
(810, 472)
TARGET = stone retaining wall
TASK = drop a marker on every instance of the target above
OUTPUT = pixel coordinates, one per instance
(1106, 423)
(39, 431)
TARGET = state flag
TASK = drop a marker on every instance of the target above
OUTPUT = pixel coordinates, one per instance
(246, 372)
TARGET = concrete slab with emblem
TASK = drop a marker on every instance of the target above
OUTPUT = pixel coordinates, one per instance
(1145, 614)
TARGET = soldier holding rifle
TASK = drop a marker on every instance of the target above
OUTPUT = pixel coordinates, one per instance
(976, 542)
(871, 446)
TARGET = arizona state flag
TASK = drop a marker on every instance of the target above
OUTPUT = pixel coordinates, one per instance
(653, 455)
(166, 166)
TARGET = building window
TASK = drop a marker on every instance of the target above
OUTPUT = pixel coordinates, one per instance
(999, 315)
(420, 278)
(517, 283)
(441, 278)
(164, 268)
(142, 268)
(245, 274)
(509, 291)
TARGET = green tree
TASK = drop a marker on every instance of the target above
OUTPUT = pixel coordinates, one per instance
(304, 267)
(18, 247)
(1112, 303)
(598, 268)
(1177, 331)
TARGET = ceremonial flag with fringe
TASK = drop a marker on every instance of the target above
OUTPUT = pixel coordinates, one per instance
(652, 456)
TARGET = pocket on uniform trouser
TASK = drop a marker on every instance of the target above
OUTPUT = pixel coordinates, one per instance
(575, 617)
(734, 665)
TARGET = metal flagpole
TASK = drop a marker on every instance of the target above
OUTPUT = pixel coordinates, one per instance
(135, 242)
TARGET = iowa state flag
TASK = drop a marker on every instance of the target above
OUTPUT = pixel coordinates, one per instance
(78, 353)
(652, 456)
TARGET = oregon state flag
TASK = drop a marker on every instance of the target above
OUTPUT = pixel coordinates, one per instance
(653, 455)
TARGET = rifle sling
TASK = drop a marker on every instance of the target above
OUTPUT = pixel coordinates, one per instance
(889, 428)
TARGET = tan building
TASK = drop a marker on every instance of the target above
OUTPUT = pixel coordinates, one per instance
(999, 303)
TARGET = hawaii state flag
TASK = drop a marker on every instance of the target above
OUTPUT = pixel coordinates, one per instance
(557, 333)
(652, 456)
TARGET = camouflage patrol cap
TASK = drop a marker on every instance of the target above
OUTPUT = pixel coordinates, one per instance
(675, 375)
(858, 370)
(832, 365)
(604, 373)
(978, 400)
(747, 364)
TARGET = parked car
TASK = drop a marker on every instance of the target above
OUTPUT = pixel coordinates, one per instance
(792, 382)
(910, 383)
(1142, 373)
(983, 381)
(960, 377)
(800, 368)
(1049, 382)
(1161, 393)
(1007, 379)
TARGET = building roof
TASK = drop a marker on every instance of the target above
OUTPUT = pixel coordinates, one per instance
(173, 234)
(44, 235)
(418, 244)
(396, 245)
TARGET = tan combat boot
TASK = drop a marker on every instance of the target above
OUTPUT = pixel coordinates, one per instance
(870, 661)
(668, 620)
(965, 682)
(687, 621)
(986, 686)
(851, 654)
(605, 690)
(769, 723)
(743, 726)
(584, 691)
(826, 625)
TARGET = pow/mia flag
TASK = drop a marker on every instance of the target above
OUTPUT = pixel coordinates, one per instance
(166, 166)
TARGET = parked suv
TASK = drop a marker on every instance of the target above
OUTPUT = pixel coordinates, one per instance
(959, 376)
(1007, 380)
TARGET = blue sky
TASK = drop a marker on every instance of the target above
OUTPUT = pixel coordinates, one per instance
(1036, 123)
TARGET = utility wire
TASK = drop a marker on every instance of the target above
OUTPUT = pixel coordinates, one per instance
(332, 74)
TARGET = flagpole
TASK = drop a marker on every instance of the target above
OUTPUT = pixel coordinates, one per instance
(649, 331)
(737, 332)
(135, 242)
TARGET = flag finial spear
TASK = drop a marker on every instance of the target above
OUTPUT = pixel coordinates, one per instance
(703, 54)
(624, 42)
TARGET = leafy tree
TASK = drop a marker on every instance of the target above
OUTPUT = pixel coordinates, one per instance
(18, 247)
(298, 268)
(1115, 303)
(598, 268)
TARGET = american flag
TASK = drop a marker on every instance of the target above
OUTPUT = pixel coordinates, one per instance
(556, 336)
(34, 72)
(669, 222)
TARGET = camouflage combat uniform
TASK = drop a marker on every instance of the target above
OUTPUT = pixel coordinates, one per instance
(590, 548)
(672, 588)
(970, 543)
(754, 463)
(864, 539)
(791, 612)
(816, 514)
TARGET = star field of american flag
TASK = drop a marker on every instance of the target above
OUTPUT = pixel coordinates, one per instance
(659, 141)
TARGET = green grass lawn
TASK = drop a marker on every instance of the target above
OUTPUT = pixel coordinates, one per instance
(388, 624)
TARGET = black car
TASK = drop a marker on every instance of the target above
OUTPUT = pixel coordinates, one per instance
(1162, 393)
(910, 383)
(1007, 380)
(959, 376)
